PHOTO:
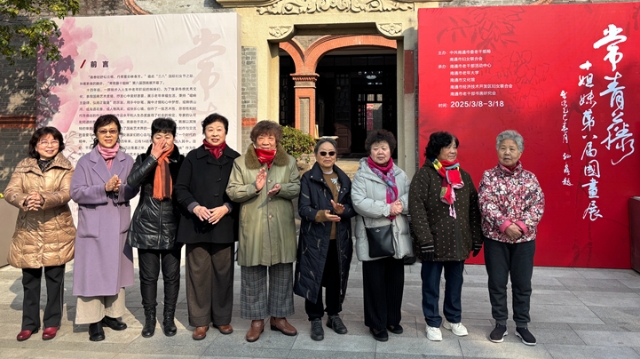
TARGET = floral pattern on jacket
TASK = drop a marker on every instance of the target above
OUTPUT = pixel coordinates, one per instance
(510, 197)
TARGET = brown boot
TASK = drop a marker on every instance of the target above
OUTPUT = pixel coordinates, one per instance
(281, 325)
(200, 333)
(257, 327)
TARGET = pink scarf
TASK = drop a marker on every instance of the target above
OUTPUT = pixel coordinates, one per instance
(386, 175)
(109, 153)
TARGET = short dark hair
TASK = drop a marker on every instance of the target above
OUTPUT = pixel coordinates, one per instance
(164, 125)
(41, 132)
(380, 135)
(103, 121)
(438, 141)
(322, 141)
(215, 117)
(266, 127)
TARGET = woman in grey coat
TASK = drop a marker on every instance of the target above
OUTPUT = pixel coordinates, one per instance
(380, 196)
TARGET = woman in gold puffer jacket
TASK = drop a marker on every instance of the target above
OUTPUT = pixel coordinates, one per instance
(45, 233)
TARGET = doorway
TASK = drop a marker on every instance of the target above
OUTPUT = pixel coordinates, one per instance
(355, 94)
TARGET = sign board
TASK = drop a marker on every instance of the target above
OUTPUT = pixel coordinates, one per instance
(567, 77)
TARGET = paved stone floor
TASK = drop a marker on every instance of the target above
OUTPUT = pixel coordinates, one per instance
(576, 313)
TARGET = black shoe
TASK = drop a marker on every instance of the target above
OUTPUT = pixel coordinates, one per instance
(334, 322)
(498, 333)
(149, 322)
(114, 323)
(526, 336)
(395, 329)
(168, 323)
(317, 333)
(381, 336)
(96, 333)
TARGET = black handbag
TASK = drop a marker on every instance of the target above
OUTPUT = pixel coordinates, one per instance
(380, 241)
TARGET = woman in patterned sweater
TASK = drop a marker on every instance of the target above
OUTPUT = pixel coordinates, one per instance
(512, 203)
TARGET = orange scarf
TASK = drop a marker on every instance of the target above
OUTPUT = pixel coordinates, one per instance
(162, 182)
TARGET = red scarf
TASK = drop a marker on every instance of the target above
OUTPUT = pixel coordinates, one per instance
(451, 179)
(265, 156)
(162, 181)
(216, 151)
(108, 154)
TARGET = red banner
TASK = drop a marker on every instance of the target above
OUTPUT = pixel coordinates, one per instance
(567, 77)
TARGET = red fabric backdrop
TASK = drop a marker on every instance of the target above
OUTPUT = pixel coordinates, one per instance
(567, 78)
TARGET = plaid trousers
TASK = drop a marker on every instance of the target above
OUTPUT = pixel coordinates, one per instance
(256, 302)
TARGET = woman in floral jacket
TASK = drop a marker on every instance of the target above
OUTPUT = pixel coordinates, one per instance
(512, 203)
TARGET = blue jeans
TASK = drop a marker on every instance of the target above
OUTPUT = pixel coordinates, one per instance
(431, 272)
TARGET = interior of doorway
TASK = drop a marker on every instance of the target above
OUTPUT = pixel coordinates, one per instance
(355, 94)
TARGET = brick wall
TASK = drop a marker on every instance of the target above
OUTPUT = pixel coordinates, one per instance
(15, 132)
(249, 97)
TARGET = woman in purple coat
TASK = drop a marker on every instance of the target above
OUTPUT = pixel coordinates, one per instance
(103, 262)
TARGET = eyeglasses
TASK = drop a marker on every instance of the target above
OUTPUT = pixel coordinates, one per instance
(111, 132)
(53, 143)
(330, 153)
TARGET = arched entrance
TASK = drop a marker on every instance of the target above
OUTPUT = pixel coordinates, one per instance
(340, 85)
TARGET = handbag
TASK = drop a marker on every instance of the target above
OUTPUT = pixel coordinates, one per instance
(380, 241)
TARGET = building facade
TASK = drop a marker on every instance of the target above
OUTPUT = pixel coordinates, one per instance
(328, 67)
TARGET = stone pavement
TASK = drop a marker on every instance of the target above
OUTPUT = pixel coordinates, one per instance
(576, 313)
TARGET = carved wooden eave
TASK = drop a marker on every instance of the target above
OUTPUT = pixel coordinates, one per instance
(264, 3)
(299, 7)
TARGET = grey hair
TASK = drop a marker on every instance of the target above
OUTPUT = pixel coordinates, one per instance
(323, 141)
(510, 135)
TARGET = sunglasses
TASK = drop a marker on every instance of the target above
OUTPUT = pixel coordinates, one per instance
(330, 153)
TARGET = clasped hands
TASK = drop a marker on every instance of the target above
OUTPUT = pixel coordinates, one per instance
(113, 184)
(212, 215)
(261, 180)
(513, 231)
(396, 208)
(34, 201)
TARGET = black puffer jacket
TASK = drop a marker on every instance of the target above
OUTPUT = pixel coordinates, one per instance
(154, 223)
(313, 243)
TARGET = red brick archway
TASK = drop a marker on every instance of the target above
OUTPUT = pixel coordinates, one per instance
(306, 61)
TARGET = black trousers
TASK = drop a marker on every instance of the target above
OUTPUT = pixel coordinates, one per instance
(331, 281)
(31, 281)
(383, 285)
(515, 260)
(150, 261)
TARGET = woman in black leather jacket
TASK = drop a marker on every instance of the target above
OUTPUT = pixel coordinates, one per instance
(155, 223)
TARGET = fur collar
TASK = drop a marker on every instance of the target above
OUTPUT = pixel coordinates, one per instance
(252, 163)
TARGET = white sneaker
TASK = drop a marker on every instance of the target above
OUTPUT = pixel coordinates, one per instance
(434, 334)
(457, 328)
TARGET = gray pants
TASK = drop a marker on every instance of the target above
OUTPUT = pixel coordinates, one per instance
(256, 302)
(515, 260)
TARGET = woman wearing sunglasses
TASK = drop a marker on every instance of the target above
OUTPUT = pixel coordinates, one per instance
(324, 246)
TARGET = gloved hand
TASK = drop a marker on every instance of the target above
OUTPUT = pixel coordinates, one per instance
(427, 252)
(476, 248)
